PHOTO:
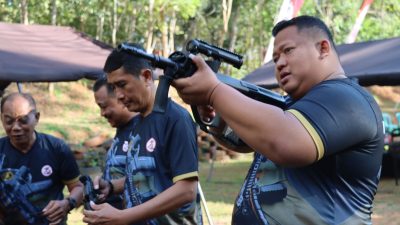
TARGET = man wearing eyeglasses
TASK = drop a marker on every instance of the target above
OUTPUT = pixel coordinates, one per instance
(34, 168)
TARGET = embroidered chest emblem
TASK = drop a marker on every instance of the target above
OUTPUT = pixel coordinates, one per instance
(46, 170)
(125, 146)
(7, 175)
(151, 145)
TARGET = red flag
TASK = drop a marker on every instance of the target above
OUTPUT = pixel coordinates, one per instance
(288, 10)
(360, 18)
(297, 4)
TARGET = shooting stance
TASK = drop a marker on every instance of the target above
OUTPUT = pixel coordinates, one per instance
(316, 162)
(35, 167)
(160, 186)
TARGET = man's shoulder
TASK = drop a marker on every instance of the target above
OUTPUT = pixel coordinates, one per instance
(343, 90)
(340, 85)
(127, 127)
(174, 109)
(4, 139)
(4, 145)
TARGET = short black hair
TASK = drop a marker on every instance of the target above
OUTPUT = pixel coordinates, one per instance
(130, 63)
(13, 95)
(102, 81)
(305, 22)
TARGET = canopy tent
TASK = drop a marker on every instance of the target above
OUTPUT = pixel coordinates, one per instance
(41, 53)
(372, 63)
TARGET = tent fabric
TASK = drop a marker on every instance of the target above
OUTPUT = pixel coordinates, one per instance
(371, 63)
(42, 53)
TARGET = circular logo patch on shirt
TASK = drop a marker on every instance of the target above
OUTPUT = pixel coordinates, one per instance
(125, 146)
(7, 175)
(47, 170)
(151, 145)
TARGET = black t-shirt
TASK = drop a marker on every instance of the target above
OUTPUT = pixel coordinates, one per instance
(116, 160)
(162, 151)
(346, 126)
(50, 165)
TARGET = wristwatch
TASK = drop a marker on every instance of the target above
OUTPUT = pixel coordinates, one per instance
(71, 203)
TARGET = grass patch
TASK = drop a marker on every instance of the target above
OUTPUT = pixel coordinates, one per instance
(51, 128)
(220, 192)
(222, 189)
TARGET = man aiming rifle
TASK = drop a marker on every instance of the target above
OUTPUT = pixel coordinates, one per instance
(317, 161)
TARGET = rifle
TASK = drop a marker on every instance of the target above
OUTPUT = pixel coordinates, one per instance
(89, 193)
(179, 65)
(15, 188)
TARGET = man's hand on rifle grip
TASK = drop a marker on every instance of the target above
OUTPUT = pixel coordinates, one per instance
(198, 88)
(103, 187)
(207, 113)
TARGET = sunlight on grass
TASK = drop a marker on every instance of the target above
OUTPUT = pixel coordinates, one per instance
(222, 189)
(220, 213)
(220, 192)
(75, 217)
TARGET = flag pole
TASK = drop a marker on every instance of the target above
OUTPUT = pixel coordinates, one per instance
(351, 38)
(288, 10)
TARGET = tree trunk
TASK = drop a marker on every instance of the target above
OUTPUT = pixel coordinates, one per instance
(226, 14)
(234, 32)
(81, 24)
(227, 9)
(132, 27)
(53, 12)
(149, 31)
(100, 26)
(164, 34)
(119, 18)
(233, 36)
(24, 12)
(192, 30)
(50, 87)
(114, 24)
(172, 27)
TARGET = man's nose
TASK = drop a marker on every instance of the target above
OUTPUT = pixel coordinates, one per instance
(119, 94)
(15, 126)
(103, 113)
(281, 63)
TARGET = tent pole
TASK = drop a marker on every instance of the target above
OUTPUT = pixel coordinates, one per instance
(19, 87)
(203, 200)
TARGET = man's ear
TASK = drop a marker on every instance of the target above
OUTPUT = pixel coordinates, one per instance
(147, 75)
(37, 117)
(324, 48)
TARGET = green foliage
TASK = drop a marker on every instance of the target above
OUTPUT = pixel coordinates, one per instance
(381, 21)
(249, 28)
(338, 15)
(94, 158)
(185, 8)
(53, 129)
(9, 11)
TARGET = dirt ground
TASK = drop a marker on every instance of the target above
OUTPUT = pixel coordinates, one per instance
(386, 209)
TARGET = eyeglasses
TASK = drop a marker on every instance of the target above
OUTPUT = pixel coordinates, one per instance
(22, 120)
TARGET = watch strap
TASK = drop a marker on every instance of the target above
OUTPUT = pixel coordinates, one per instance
(71, 203)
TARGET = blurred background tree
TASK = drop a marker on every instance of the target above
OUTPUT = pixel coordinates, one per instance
(163, 26)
